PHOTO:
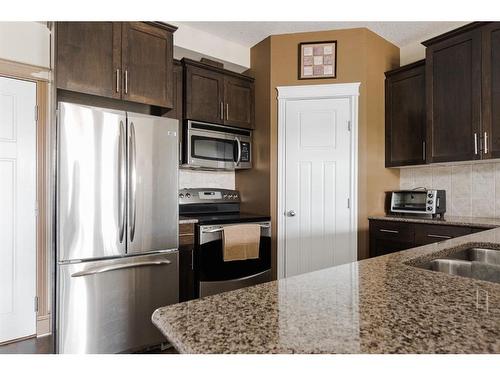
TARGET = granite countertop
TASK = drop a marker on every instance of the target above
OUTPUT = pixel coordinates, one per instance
(378, 305)
(187, 220)
(465, 221)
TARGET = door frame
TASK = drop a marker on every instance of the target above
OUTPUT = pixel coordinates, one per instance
(41, 76)
(306, 92)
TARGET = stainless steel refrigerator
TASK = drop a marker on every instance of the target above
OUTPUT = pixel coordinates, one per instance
(117, 227)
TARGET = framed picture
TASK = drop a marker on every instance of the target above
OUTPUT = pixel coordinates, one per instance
(318, 60)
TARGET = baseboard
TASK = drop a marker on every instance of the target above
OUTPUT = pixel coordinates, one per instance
(43, 325)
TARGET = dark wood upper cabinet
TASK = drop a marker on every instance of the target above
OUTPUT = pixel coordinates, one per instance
(203, 94)
(176, 111)
(491, 91)
(405, 116)
(88, 57)
(217, 95)
(147, 63)
(453, 80)
(132, 61)
(238, 101)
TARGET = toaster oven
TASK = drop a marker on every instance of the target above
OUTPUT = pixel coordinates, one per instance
(427, 202)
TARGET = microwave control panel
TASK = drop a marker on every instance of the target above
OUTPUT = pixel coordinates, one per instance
(245, 152)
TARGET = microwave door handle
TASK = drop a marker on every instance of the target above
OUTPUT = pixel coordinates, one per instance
(238, 160)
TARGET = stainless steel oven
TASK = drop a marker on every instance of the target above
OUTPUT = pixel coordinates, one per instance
(210, 146)
(216, 276)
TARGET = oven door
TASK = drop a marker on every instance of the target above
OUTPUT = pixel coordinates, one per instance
(209, 146)
(216, 276)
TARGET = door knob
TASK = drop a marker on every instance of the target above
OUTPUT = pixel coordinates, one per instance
(291, 213)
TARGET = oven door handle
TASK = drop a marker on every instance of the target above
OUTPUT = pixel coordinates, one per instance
(221, 229)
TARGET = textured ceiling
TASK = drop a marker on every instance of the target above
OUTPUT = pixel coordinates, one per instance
(250, 33)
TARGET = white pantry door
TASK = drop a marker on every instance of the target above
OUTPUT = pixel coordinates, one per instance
(17, 208)
(317, 184)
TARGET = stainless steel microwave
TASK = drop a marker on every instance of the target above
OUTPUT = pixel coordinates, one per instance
(210, 146)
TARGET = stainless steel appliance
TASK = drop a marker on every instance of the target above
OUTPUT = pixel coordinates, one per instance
(419, 201)
(117, 227)
(215, 209)
(209, 146)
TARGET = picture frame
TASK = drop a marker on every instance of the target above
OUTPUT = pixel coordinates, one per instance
(318, 60)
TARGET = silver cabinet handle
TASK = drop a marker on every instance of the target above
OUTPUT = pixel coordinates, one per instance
(389, 231)
(122, 187)
(132, 181)
(115, 267)
(423, 150)
(439, 236)
(485, 142)
(227, 111)
(126, 81)
(291, 213)
(221, 110)
(475, 143)
(117, 80)
(238, 160)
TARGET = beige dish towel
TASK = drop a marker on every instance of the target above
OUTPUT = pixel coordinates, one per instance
(241, 242)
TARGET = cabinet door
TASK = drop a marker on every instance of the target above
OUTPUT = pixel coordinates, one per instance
(405, 116)
(453, 79)
(88, 57)
(390, 236)
(147, 60)
(430, 233)
(203, 95)
(238, 102)
(176, 111)
(491, 90)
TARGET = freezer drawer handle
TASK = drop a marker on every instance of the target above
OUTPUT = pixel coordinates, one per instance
(221, 229)
(96, 270)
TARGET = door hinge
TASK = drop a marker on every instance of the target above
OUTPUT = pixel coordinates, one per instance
(36, 303)
(348, 203)
(349, 125)
(36, 113)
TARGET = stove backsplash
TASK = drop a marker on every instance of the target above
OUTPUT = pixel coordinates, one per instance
(206, 179)
(471, 190)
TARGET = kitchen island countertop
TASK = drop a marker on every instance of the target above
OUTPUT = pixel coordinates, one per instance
(378, 305)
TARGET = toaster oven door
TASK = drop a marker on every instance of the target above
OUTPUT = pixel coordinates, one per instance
(409, 202)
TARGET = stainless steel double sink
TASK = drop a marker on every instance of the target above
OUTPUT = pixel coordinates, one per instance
(474, 262)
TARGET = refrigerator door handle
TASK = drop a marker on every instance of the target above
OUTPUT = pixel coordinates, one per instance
(132, 181)
(102, 269)
(122, 182)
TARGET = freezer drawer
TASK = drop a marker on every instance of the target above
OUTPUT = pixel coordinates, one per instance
(106, 306)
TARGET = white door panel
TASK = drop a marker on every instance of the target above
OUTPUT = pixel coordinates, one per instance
(317, 182)
(17, 208)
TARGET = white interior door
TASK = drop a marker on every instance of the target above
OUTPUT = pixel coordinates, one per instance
(17, 208)
(317, 185)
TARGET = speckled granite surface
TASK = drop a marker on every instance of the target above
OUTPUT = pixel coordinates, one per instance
(379, 305)
(466, 221)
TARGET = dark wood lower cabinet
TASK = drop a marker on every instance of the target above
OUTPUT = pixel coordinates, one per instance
(186, 273)
(390, 236)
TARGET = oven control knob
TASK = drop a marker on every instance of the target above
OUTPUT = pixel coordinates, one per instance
(188, 195)
(430, 195)
(429, 208)
(429, 201)
(181, 195)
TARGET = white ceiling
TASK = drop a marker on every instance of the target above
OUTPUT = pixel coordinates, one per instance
(250, 33)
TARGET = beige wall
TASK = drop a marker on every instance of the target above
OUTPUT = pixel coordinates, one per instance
(362, 56)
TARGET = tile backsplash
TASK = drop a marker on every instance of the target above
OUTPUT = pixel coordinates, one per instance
(471, 189)
(189, 178)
